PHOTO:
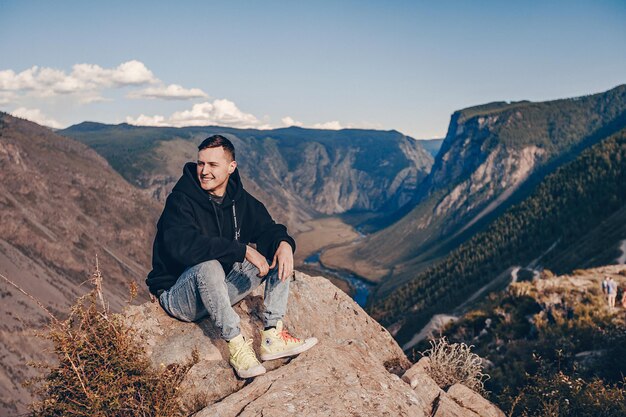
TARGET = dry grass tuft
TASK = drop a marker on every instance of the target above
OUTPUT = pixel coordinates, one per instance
(452, 363)
(102, 370)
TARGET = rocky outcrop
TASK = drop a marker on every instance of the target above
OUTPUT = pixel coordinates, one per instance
(354, 369)
(458, 400)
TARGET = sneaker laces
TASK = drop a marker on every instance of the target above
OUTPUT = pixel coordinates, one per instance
(284, 334)
(245, 352)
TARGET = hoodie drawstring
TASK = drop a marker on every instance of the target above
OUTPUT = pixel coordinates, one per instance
(237, 230)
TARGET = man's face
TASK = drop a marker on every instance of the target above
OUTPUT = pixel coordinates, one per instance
(214, 168)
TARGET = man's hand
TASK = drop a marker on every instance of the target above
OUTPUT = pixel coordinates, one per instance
(255, 258)
(284, 258)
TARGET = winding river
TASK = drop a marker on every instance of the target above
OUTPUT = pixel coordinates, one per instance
(361, 287)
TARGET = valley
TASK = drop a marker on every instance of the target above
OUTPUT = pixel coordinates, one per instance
(321, 234)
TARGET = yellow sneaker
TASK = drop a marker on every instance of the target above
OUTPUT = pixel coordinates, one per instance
(243, 358)
(278, 343)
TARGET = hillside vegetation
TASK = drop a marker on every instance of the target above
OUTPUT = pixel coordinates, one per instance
(552, 125)
(563, 208)
(553, 346)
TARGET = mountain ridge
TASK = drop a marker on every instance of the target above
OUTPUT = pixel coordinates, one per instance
(479, 167)
(300, 173)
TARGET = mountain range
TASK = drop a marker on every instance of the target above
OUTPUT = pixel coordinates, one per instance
(576, 217)
(299, 173)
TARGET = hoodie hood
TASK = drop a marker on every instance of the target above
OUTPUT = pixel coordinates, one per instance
(189, 185)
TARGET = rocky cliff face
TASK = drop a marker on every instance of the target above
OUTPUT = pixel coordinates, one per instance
(354, 369)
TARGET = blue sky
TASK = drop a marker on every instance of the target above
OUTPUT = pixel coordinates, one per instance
(385, 65)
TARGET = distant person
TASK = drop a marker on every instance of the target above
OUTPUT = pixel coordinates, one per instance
(605, 285)
(611, 292)
(624, 298)
(203, 264)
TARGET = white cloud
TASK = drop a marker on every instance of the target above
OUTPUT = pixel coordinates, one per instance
(144, 120)
(226, 113)
(288, 121)
(35, 115)
(87, 81)
(334, 125)
(170, 92)
(220, 112)
(43, 81)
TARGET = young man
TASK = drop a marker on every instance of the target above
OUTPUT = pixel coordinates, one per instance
(202, 263)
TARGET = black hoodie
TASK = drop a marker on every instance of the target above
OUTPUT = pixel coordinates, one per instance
(194, 229)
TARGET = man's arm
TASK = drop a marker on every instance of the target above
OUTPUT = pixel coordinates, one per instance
(273, 241)
(284, 259)
(267, 234)
(184, 241)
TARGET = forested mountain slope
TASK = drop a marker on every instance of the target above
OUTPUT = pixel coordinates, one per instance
(547, 229)
(493, 156)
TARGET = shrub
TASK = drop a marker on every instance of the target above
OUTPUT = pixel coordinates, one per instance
(551, 392)
(102, 370)
(452, 363)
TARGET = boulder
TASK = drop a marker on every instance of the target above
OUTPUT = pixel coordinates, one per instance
(332, 379)
(316, 308)
(447, 407)
(424, 386)
(353, 370)
(473, 401)
(413, 376)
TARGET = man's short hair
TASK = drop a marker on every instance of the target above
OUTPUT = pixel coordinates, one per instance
(216, 141)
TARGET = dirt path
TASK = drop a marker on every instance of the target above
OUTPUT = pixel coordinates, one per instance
(438, 321)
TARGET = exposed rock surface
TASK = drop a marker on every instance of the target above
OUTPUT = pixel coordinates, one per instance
(352, 371)
(425, 387)
(470, 400)
(458, 400)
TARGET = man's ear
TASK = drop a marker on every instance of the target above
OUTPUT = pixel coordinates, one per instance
(231, 167)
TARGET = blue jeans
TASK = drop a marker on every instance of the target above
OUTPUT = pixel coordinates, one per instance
(204, 290)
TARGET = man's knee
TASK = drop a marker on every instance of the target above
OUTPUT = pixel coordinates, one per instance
(210, 272)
